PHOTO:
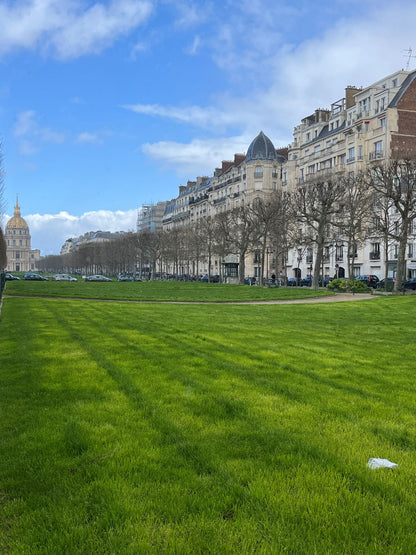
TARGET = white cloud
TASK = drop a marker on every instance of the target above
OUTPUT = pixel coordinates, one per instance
(295, 80)
(191, 13)
(31, 135)
(96, 137)
(65, 29)
(50, 231)
(209, 118)
(193, 49)
(199, 157)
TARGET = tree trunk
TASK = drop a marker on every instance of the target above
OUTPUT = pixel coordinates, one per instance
(401, 259)
(242, 267)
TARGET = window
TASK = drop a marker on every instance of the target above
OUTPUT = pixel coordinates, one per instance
(317, 149)
(383, 122)
(378, 150)
(339, 253)
(410, 250)
(258, 172)
(17, 254)
(375, 251)
(351, 154)
(360, 152)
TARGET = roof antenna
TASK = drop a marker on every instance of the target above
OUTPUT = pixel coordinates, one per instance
(409, 54)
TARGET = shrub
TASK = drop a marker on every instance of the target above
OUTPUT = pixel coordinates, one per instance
(338, 285)
(347, 285)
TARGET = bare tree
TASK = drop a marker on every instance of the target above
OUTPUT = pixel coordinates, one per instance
(150, 247)
(272, 216)
(354, 218)
(241, 229)
(396, 182)
(208, 229)
(3, 251)
(3, 246)
(315, 206)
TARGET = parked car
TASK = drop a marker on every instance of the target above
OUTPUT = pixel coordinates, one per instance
(212, 279)
(306, 281)
(382, 284)
(410, 284)
(34, 277)
(325, 282)
(369, 280)
(97, 277)
(11, 277)
(63, 277)
(292, 281)
(125, 278)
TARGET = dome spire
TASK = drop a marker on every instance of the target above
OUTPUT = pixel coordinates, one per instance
(17, 208)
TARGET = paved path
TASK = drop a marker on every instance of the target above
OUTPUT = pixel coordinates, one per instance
(337, 298)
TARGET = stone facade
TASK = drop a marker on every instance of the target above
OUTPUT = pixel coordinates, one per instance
(20, 256)
(367, 125)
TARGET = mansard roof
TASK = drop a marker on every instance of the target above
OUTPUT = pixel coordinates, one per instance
(405, 85)
(261, 148)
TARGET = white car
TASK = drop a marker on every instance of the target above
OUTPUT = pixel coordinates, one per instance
(63, 277)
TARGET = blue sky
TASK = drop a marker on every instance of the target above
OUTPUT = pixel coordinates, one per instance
(108, 105)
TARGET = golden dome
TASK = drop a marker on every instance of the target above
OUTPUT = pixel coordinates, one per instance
(17, 222)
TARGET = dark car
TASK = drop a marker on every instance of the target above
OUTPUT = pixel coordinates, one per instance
(292, 282)
(11, 277)
(369, 280)
(410, 284)
(324, 282)
(125, 278)
(388, 285)
(97, 277)
(306, 281)
(34, 277)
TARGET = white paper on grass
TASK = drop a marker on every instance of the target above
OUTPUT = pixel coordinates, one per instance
(381, 463)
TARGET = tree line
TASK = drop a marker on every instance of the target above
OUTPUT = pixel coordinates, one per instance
(328, 209)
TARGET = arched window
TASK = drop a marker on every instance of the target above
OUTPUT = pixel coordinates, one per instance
(258, 172)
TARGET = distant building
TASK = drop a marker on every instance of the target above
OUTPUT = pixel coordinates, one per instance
(150, 217)
(91, 237)
(20, 256)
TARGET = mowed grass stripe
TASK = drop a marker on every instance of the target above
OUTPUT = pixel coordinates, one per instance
(159, 291)
(206, 429)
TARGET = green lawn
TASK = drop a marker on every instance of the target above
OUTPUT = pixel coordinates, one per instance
(159, 290)
(152, 428)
